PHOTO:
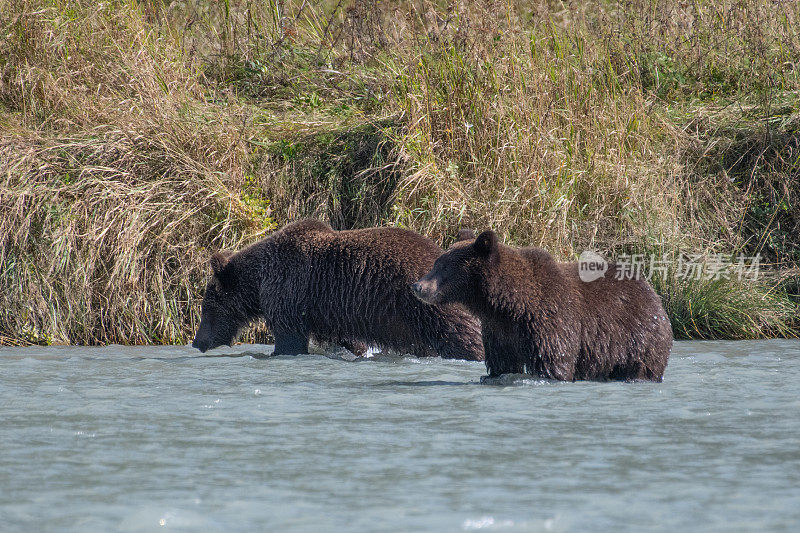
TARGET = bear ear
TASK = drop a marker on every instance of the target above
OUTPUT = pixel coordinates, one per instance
(486, 242)
(222, 269)
(219, 261)
(465, 234)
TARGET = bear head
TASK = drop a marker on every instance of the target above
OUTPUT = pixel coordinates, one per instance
(223, 312)
(455, 273)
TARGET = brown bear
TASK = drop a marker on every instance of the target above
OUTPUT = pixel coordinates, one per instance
(539, 317)
(351, 288)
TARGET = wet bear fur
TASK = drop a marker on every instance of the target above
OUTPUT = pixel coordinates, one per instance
(351, 288)
(539, 317)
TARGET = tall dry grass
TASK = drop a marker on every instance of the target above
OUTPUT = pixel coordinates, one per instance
(105, 239)
(136, 137)
(116, 178)
(571, 126)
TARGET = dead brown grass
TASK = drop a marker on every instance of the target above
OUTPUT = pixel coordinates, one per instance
(136, 137)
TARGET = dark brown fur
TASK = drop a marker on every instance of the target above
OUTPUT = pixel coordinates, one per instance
(539, 317)
(346, 287)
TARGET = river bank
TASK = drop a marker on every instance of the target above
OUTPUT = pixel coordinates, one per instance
(136, 138)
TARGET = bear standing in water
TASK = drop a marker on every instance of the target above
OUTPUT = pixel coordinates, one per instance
(347, 287)
(539, 316)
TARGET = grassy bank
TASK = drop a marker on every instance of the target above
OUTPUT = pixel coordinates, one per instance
(137, 137)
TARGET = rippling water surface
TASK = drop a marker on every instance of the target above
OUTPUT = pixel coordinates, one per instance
(151, 438)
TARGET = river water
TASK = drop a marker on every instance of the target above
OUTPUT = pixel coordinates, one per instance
(163, 438)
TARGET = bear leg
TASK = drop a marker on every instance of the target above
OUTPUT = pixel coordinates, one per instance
(501, 357)
(356, 347)
(290, 344)
(639, 371)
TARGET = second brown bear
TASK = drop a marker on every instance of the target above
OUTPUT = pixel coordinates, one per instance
(539, 317)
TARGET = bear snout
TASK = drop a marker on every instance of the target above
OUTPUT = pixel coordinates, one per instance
(425, 290)
(416, 289)
(200, 345)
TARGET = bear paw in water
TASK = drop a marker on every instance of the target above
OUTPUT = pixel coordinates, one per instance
(513, 379)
